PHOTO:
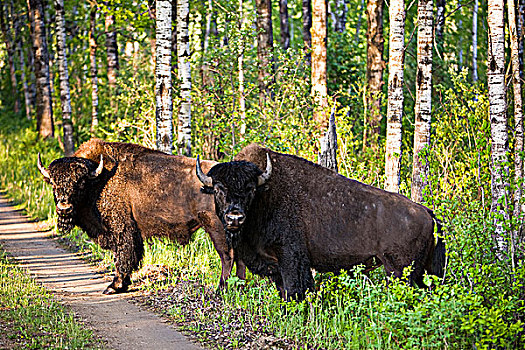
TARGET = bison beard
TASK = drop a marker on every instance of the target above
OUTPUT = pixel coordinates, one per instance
(304, 216)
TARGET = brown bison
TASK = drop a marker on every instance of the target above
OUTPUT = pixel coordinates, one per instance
(297, 215)
(121, 194)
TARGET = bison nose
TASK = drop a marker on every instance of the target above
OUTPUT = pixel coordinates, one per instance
(64, 207)
(234, 218)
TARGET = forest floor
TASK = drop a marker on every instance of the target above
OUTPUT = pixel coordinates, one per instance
(120, 323)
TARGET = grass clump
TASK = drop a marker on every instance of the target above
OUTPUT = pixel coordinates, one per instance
(32, 318)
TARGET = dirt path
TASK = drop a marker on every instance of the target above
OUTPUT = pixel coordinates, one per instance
(120, 323)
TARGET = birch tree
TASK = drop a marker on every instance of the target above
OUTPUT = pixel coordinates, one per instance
(521, 33)
(93, 66)
(475, 42)
(65, 97)
(307, 26)
(264, 48)
(163, 101)
(423, 106)
(112, 55)
(374, 62)
(395, 95)
(44, 110)
(518, 113)
(183, 52)
(285, 25)
(9, 43)
(240, 69)
(319, 88)
(498, 118)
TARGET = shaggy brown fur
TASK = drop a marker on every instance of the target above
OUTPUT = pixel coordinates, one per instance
(306, 216)
(141, 193)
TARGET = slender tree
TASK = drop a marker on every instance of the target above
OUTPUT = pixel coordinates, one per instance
(44, 110)
(112, 55)
(20, 52)
(5, 26)
(264, 48)
(307, 26)
(475, 42)
(359, 20)
(498, 118)
(395, 95)
(521, 33)
(374, 62)
(319, 87)
(183, 52)
(423, 106)
(174, 61)
(65, 97)
(285, 25)
(93, 66)
(518, 113)
(340, 14)
(440, 21)
(164, 104)
(240, 67)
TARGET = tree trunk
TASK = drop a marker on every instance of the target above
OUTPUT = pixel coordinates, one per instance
(65, 97)
(174, 61)
(240, 65)
(20, 51)
(340, 15)
(44, 110)
(374, 62)
(475, 42)
(93, 70)
(518, 115)
(328, 152)
(319, 88)
(183, 51)
(423, 106)
(112, 54)
(307, 26)
(164, 104)
(208, 27)
(264, 48)
(395, 95)
(5, 26)
(521, 33)
(285, 26)
(498, 118)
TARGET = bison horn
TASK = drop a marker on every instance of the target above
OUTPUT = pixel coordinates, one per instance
(99, 169)
(42, 169)
(267, 173)
(205, 179)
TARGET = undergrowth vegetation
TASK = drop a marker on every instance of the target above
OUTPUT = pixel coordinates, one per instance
(34, 319)
(478, 304)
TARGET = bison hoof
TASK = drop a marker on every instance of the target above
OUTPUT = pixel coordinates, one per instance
(111, 290)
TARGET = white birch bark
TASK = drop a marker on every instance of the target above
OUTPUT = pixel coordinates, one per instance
(518, 115)
(498, 119)
(163, 100)
(65, 97)
(521, 33)
(183, 52)
(240, 66)
(475, 42)
(395, 95)
(93, 68)
(423, 106)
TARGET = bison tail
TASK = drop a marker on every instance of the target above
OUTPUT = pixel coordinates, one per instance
(439, 257)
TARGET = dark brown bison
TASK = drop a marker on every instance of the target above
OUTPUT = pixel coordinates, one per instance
(121, 194)
(297, 215)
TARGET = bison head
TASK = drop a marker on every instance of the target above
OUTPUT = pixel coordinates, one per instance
(234, 185)
(69, 177)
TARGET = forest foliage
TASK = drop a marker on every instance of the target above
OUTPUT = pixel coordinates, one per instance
(480, 301)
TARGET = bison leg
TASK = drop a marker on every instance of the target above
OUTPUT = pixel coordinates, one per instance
(296, 275)
(129, 253)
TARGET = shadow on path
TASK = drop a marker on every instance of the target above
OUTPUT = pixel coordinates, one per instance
(122, 324)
